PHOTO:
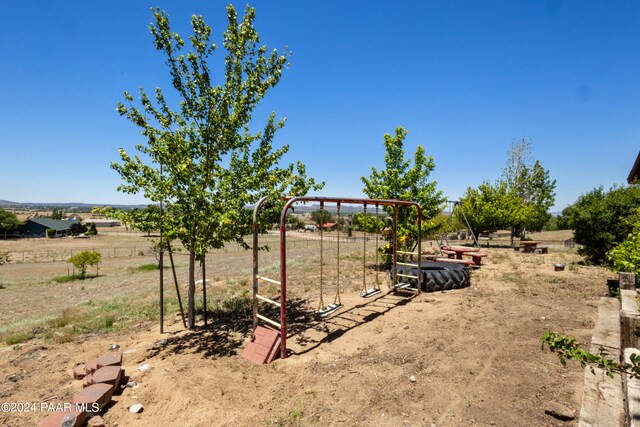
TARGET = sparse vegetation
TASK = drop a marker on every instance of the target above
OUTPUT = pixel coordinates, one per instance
(84, 259)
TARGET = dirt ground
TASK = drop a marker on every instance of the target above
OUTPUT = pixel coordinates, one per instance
(457, 358)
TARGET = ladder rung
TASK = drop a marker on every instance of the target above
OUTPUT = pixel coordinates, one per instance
(407, 253)
(408, 264)
(270, 301)
(403, 286)
(266, 279)
(407, 275)
(276, 324)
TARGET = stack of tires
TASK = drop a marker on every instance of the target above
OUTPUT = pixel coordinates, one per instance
(437, 276)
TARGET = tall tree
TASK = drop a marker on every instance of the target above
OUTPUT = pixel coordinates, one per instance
(205, 163)
(532, 183)
(402, 180)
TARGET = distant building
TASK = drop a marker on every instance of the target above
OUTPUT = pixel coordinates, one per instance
(73, 216)
(37, 227)
(635, 171)
(102, 222)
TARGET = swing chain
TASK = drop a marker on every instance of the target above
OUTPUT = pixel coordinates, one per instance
(337, 299)
(377, 249)
(364, 250)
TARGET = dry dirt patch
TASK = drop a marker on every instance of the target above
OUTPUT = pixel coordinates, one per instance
(474, 355)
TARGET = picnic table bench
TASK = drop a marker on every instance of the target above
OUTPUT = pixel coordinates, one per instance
(466, 262)
(456, 252)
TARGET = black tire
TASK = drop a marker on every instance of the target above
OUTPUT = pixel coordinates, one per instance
(438, 276)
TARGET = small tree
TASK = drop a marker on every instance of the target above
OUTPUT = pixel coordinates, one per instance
(532, 183)
(77, 228)
(204, 162)
(84, 259)
(57, 214)
(51, 232)
(92, 229)
(5, 258)
(321, 217)
(404, 181)
(147, 219)
(8, 221)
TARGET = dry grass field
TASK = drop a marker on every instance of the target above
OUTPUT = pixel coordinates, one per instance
(462, 357)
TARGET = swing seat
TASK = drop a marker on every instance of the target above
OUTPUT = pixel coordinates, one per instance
(331, 308)
(369, 293)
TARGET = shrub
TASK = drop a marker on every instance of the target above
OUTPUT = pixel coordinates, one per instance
(602, 220)
(626, 256)
(84, 259)
(92, 229)
(77, 228)
(51, 232)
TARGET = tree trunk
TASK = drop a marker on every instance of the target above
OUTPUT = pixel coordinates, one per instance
(191, 315)
(513, 231)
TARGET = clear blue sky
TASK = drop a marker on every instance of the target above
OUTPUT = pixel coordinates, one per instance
(465, 79)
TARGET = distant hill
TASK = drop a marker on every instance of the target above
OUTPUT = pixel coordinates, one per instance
(71, 206)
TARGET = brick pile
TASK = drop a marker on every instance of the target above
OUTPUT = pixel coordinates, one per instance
(100, 379)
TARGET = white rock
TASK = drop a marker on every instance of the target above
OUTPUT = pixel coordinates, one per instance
(144, 367)
(412, 379)
(137, 408)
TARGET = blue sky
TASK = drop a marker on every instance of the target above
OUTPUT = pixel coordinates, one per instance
(465, 79)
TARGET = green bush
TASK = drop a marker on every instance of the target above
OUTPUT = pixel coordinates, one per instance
(626, 256)
(602, 219)
(84, 259)
(51, 232)
(92, 230)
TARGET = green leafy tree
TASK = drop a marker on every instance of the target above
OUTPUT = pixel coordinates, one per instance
(602, 219)
(626, 255)
(8, 221)
(57, 213)
(205, 163)
(321, 216)
(491, 207)
(84, 259)
(532, 183)
(400, 179)
(147, 219)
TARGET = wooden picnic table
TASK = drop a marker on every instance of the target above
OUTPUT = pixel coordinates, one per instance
(529, 245)
(460, 250)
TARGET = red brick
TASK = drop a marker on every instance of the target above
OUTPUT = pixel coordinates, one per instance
(87, 381)
(107, 375)
(259, 348)
(91, 366)
(110, 359)
(54, 419)
(95, 393)
(79, 372)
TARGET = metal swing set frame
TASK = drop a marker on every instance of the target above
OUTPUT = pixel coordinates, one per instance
(281, 304)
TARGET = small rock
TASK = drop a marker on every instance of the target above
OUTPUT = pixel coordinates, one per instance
(96, 422)
(144, 367)
(136, 409)
(412, 379)
(132, 384)
(406, 326)
(559, 411)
